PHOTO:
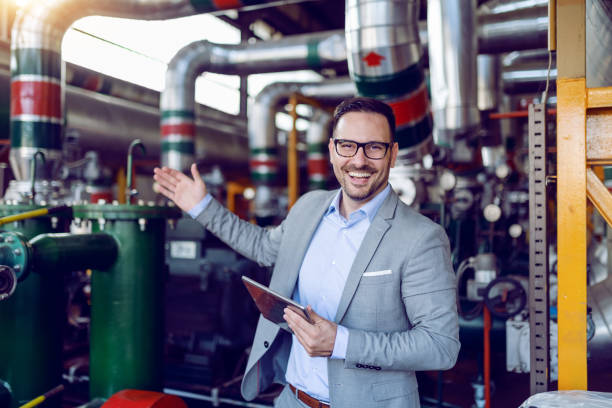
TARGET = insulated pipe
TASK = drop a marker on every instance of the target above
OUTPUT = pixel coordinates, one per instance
(317, 137)
(385, 61)
(451, 26)
(262, 132)
(37, 85)
(88, 115)
(177, 105)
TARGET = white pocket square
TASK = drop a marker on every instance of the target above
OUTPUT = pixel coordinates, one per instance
(378, 273)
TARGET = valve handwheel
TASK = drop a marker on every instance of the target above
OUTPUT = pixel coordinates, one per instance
(505, 297)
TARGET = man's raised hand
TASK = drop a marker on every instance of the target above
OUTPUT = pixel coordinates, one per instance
(182, 190)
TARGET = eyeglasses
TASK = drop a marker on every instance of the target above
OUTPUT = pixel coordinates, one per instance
(372, 150)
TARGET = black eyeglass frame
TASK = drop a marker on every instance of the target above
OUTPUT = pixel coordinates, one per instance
(362, 146)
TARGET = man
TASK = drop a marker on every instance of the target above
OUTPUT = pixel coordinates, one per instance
(376, 277)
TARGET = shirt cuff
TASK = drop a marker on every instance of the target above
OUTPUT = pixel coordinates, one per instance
(199, 207)
(341, 343)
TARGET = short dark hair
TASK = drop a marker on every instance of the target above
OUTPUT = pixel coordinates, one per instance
(367, 105)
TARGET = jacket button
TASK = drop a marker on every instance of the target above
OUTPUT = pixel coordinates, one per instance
(266, 344)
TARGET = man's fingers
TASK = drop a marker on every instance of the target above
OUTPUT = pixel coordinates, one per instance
(195, 173)
(165, 192)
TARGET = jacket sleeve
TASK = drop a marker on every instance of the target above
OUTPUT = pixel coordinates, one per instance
(429, 297)
(256, 243)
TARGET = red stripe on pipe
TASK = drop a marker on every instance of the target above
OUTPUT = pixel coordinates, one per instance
(184, 129)
(227, 4)
(412, 109)
(267, 163)
(318, 166)
(40, 98)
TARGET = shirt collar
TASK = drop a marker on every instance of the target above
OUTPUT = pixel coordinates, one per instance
(370, 208)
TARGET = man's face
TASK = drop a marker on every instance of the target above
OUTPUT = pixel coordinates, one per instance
(362, 178)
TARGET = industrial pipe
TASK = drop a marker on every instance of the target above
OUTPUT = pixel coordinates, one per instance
(37, 85)
(177, 105)
(317, 137)
(262, 131)
(385, 61)
(451, 26)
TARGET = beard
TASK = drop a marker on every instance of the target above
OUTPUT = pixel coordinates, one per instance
(376, 182)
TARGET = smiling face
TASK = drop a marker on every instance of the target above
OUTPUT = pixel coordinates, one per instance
(361, 178)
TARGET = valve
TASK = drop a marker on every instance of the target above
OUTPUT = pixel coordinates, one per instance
(505, 297)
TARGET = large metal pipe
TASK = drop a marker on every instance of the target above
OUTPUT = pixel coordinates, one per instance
(315, 51)
(505, 26)
(451, 27)
(37, 85)
(262, 131)
(108, 124)
(384, 58)
(317, 136)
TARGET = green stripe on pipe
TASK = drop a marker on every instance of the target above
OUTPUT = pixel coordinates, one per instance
(185, 114)
(181, 147)
(317, 185)
(203, 6)
(263, 177)
(410, 136)
(269, 151)
(392, 85)
(312, 58)
(36, 134)
(36, 61)
(317, 148)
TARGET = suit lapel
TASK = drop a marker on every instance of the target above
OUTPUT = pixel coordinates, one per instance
(285, 281)
(370, 242)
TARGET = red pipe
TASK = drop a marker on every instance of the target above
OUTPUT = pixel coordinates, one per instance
(516, 114)
(487, 356)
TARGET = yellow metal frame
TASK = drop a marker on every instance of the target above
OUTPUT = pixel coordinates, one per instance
(584, 120)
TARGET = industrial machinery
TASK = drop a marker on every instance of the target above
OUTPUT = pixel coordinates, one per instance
(108, 290)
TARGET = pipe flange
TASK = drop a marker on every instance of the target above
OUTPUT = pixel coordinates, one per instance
(14, 253)
(8, 282)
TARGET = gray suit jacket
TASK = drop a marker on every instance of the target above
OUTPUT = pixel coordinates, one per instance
(398, 322)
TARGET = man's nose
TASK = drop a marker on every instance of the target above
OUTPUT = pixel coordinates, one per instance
(360, 156)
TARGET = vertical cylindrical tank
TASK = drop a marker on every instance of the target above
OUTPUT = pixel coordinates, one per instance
(32, 320)
(127, 305)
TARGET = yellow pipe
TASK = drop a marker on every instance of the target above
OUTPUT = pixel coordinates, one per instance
(39, 400)
(32, 214)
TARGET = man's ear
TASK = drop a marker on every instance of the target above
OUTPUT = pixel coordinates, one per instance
(330, 147)
(394, 151)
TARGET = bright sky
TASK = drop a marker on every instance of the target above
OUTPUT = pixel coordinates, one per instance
(144, 49)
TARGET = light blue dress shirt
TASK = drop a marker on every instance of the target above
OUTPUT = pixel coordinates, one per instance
(321, 282)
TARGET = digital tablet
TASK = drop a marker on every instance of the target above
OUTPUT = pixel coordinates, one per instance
(272, 304)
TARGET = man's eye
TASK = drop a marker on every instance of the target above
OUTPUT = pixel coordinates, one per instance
(376, 147)
(346, 145)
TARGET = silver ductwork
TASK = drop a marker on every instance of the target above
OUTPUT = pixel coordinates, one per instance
(320, 50)
(88, 115)
(451, 27)
(505, 26)
(262, 131)
(38, 83)
(385, 61)
(488, 68)
(317, 137)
